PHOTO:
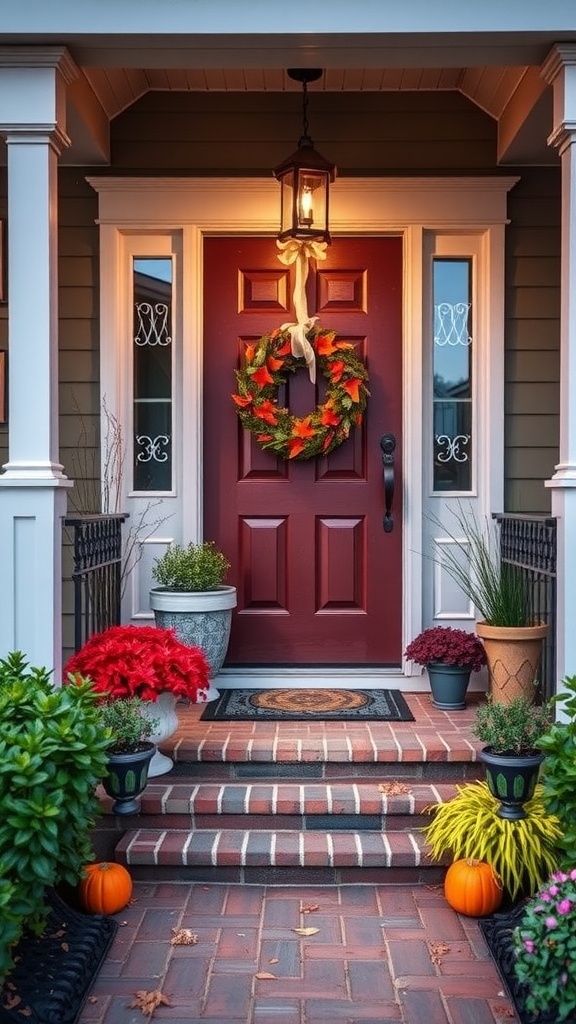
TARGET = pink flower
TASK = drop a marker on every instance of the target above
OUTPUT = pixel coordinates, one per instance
(551, 922)
(564, 907)
(529, 945)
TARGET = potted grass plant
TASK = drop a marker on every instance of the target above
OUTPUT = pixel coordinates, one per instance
(512, 640)
(193, 599)
(450, 656)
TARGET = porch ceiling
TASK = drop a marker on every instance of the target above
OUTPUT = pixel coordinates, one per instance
(514, 95)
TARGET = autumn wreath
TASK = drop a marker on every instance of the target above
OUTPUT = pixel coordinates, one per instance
(266, 365)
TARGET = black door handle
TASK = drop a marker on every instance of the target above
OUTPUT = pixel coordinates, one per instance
(388, 446)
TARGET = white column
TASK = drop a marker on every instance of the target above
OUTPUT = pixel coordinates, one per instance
(33, 486)
(560, 70)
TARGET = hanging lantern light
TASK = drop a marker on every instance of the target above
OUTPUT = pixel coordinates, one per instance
(304, 178)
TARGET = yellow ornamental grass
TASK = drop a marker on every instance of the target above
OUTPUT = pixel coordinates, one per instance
(522, 853)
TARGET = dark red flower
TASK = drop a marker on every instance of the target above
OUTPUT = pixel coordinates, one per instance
(449, 646)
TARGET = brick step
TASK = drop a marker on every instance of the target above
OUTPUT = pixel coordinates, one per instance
(289, 856)
(424, 771)
(398, 806)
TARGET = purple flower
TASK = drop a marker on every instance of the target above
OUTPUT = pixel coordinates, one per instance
(529, 945)
(553, 890)
(564, 907)
(551, 922)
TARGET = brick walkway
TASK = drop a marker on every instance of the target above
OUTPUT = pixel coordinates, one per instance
(381, 953)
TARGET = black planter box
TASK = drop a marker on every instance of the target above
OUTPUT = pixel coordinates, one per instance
(54, 971)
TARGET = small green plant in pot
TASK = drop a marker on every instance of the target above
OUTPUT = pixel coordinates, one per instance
(512, 760)
(130, 751)
(193, 599)
(53, 753)
(498, 590)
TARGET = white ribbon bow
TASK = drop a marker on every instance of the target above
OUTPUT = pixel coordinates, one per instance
(300, 251)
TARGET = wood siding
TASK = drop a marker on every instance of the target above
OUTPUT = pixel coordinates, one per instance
(532, 339)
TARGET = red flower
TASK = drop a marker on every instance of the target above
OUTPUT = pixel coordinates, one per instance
(295, 446)
(303, 428)
(249, 353)
(262, 438)
(262, 377)
(274, 364)
(266, 411)
(329, 418)
(449, 646)
(324, 344)
(352, 386)
(140, 661)
(337, 369)
(242, 400)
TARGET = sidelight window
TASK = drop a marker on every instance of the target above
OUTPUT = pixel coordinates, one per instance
(452, 374)
(152, 382)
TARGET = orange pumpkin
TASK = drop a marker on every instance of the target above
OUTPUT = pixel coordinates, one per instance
(472, 888)
(106, 888)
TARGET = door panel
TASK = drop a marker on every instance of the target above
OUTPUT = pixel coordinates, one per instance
(319, 581)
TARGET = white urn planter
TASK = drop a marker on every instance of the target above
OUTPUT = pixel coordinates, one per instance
(163, 711)
(200, 618)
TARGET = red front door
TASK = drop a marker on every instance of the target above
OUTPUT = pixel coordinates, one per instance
(319, 580)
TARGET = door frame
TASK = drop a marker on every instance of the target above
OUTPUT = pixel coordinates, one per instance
(179, 212)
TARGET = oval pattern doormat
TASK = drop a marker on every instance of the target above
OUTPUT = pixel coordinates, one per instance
(310, 704)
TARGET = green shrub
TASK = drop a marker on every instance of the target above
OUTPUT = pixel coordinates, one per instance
(52, 755)
(559, 769)
(195, 567)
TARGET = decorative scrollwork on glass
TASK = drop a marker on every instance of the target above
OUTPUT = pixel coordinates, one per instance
(152, 324)
(452, 451)
(451, 323)
(152, 448)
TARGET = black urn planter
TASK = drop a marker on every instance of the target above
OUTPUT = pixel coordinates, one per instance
(127, 778)
(448, 684)
(511, 779)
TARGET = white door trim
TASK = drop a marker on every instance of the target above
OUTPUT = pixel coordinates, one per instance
(186, 209)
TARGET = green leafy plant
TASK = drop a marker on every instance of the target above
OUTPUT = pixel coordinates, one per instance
(512, 728)
(195, 567)
(522, 853)
(473, 561)
(129, 729)
(545, 945)
(53, 753)
(558, 745)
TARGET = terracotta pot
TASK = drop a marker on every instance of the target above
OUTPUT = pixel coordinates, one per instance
(513, 654)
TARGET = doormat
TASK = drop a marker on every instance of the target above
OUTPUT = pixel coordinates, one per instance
(54, 971)
(323, 705)
(497, 931)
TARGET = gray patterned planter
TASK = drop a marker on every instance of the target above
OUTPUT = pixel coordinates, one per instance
(200, 618)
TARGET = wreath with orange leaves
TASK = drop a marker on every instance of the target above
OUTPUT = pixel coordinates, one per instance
(266, 366)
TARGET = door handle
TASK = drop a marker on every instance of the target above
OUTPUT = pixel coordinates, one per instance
(388, 446)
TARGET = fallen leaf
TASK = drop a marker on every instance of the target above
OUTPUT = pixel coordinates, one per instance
(274, 960)
(306, 931)
(265, 976)
(183, 937)
(503, 1011)
(11, 1001)
(26, 1012)
(394, 788)
(148, 1002)
(437, 951)
(65, 947)
(92, 999)
(309, 908)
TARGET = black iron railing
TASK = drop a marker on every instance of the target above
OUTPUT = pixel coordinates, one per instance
(529, 544)
(97, 573)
